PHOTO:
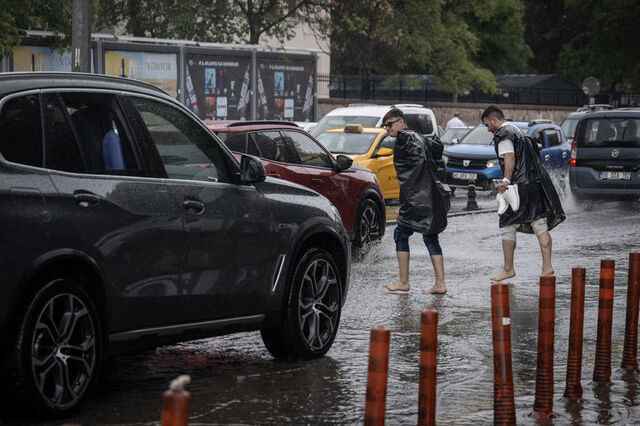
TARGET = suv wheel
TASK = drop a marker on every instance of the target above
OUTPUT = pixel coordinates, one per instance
(58, 348)
(368, 224)
(312, 315)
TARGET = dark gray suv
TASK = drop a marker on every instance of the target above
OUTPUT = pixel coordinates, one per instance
(605, 155)
(126, 223)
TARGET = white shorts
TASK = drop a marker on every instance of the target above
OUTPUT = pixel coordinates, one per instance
(539, 226)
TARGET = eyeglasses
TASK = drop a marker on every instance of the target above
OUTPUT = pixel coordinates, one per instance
(388, 124)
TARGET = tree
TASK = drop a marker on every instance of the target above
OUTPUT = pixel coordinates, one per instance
(46, 15)
(223, 21)
(547, 28)
(606, 47)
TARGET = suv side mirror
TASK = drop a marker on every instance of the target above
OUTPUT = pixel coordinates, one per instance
(454, 141)
(343, 162)
(384, 152)
(251, 169)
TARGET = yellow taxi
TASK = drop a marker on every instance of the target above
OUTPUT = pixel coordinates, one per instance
(369, 147)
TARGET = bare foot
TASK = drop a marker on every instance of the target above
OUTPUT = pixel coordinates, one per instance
(436, 289)
(549, 273)
(397, 286)
(503, 276)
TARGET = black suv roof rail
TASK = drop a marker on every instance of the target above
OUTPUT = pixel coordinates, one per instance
(539, 121)
(594, 107)
(252, 122)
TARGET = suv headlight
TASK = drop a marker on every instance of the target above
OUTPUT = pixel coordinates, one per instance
(493, 163)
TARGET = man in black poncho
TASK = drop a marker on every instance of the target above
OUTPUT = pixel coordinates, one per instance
(424, 200)
(539, 208)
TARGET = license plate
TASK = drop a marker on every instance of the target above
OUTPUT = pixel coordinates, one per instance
(464, 176)
(615, 175)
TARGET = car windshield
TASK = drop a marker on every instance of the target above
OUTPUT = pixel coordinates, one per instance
(331, 121)
(611, 132)
(347, 143)
(453, 133)
(568, 126)
(478, 136)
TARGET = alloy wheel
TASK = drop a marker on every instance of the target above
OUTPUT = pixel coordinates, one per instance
(319, 304)
(369, 224)
(63, 350)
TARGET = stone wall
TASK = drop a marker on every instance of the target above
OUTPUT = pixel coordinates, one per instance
(469, 112)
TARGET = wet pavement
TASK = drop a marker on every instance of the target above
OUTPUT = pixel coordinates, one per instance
(235, 380)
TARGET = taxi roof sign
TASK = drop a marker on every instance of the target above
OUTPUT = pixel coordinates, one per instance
(353, 128)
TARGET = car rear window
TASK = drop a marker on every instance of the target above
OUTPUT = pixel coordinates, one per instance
(608, 131)
(347, 143)
(420, 123)
(21, 131)
(569, 126)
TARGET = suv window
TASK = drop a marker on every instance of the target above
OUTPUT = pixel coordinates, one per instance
(187, 151)
(420, 123)
(21, 131)
(387, 142)
(611, 132)
(553, 137)
(271, 145)
(62, 150)
(240, 142)
(308, 151)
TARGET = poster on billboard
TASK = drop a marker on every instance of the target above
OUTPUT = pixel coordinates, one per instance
(218, 86)
(286, 88)
(159, 69)
(42, 58)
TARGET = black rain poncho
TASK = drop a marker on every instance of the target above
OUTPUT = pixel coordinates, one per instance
(538, 196)
(424, 200)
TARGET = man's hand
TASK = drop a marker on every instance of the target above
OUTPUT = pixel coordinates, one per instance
(502, 186)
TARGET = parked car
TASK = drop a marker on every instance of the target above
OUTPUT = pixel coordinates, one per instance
(570, 122)
(474, 159)
(127, 224)
(417, 117)
(369, 147)
(605, 155)
(453, 135)
(307, 125)
(290, 153)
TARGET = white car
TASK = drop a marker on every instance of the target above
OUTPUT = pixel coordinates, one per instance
(419, 118)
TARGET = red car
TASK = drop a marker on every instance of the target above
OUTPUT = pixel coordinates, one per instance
(290, 153)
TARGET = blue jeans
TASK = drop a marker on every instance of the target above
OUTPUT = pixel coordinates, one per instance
(401, 236)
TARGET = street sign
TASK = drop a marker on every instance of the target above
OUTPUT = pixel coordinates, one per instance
(591, 86)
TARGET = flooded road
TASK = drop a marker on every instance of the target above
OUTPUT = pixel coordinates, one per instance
(235, 380)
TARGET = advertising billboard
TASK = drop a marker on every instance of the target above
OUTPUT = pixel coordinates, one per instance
(159, 69)
(286, 89)
(42, 58)
(218, 87)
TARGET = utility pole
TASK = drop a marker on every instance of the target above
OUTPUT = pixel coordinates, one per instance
(81, 36)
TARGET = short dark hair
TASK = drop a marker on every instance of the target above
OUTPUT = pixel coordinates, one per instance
(393, 113)
(494, 111)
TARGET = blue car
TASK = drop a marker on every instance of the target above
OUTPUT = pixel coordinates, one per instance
(474, 159)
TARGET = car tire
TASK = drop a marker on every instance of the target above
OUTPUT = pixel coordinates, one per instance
(368, 224)
(58, 349)
(312, 312)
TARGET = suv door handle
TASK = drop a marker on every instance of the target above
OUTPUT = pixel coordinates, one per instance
(316, 182)
(272, 174)
(86, 199)
(194, 206)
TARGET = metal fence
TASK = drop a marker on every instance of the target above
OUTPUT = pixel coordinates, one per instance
(419, 88)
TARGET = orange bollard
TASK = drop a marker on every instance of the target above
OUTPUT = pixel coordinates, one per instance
(175, 403)
(428, 351)
(504, 410)
(573, 389)
(543, 402)
(629, 355)
(602, 368)
(377, 376)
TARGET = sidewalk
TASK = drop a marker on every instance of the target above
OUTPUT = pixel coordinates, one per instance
(485, 200)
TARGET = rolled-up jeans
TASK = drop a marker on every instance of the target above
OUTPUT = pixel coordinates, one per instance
(401, 236)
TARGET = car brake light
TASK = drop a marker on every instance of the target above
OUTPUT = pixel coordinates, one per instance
(574, 153)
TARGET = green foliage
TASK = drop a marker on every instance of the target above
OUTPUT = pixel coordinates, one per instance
(607, 46)
(46, 15)
(222, 21)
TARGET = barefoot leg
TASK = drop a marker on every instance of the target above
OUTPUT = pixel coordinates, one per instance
(403, 266)
(438, 266)
(508, 271)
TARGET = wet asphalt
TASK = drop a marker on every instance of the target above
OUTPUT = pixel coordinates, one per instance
(235, 380)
